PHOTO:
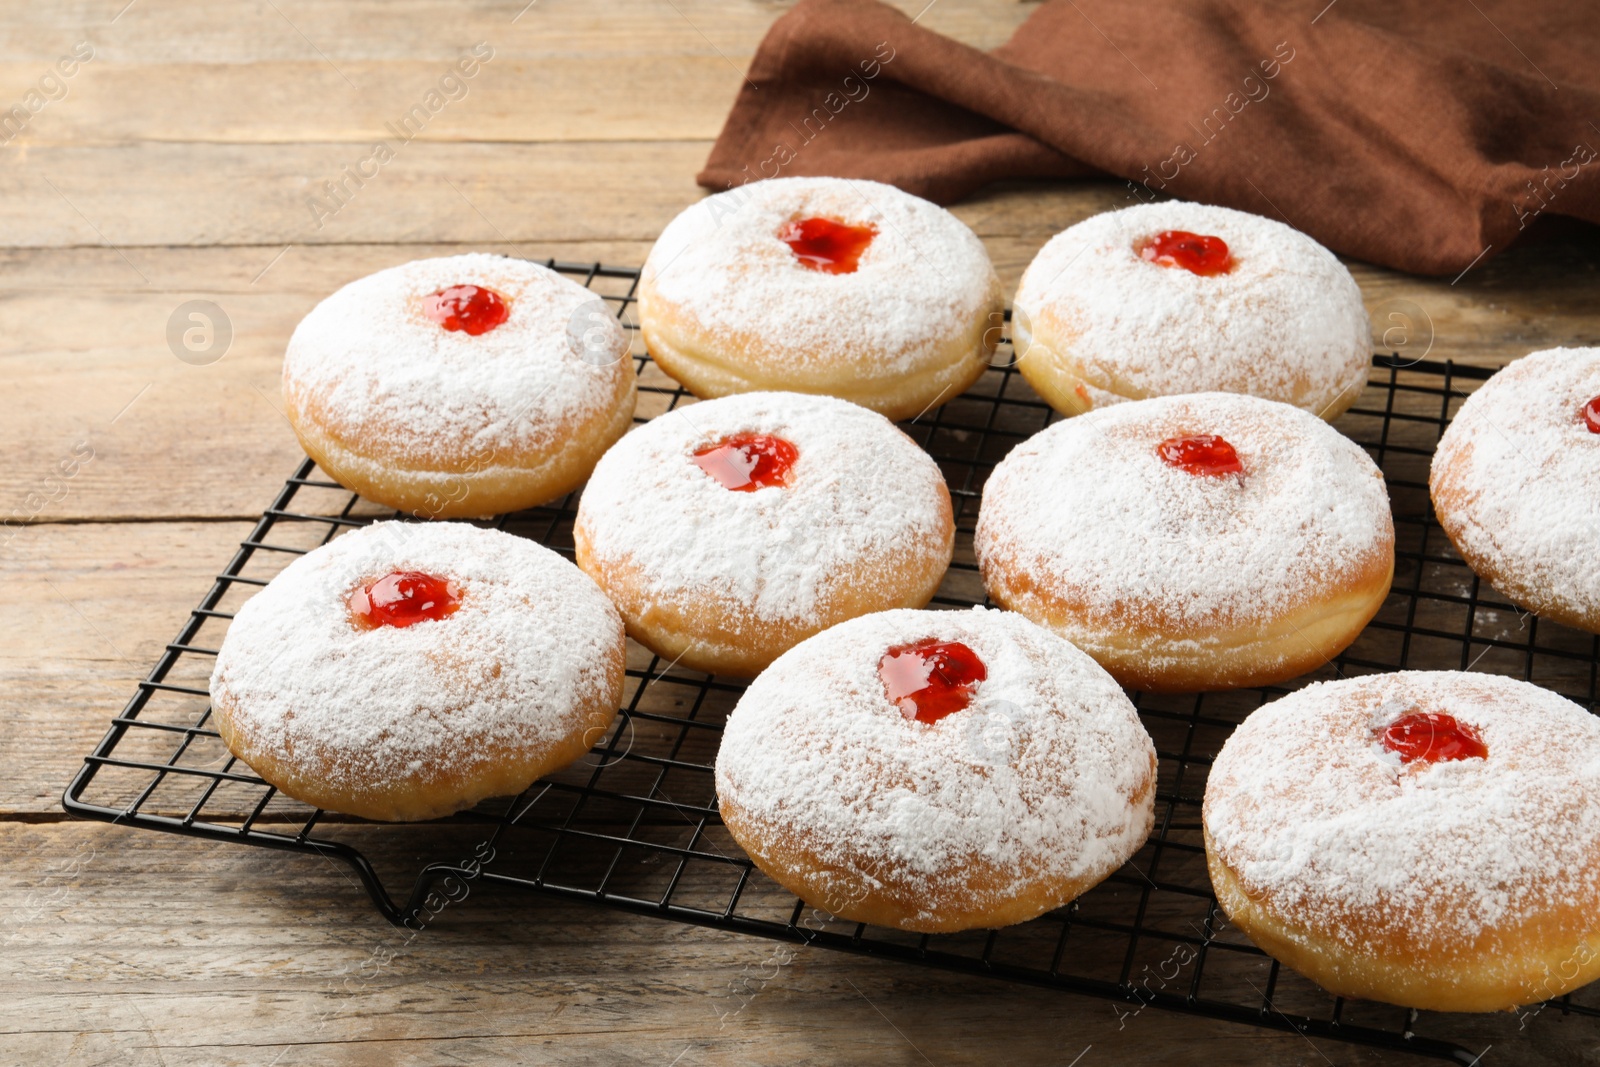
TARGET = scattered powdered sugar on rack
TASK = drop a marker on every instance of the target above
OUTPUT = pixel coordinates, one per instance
(1035, 777)
(1286, 322)
(1327, 828)
(1522, 472)
(374, 368)
(1088, 509)
(860, 491)
(506, 671)
(922, 280)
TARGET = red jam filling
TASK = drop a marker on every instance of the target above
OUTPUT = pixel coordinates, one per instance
(1194, 252)
(1202, 454)
(931, 679)
(403, 598)
(826, 245)
(471, 309)
(1433, 738)
(1591, 415)
(748, 461)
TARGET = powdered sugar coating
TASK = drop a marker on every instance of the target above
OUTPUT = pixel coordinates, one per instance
(860, 492)
(369, 366)
(1089, 510)
(507, 670)
(1034, 777)
(1323, 825)
(923, 279)
(1286, 323)
(1516, 481)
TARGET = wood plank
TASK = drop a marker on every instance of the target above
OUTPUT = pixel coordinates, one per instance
(130, 196)
(187, 194)
(342, 72)
(186, 31)
(518, 96)
(141, 948)
(101, 602)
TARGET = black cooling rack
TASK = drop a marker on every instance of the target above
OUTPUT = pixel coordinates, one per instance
(634, 826)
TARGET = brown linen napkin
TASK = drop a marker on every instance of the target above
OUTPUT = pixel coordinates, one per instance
(1416, 134)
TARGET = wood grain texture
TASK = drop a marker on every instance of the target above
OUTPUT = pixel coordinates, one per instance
(137, 948)
(639, 70)
(180, 165)
(101, 601)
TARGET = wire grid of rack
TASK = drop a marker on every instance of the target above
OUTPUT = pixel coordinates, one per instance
(634, 825)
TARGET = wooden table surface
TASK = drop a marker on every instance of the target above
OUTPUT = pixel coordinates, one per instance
(179, 162)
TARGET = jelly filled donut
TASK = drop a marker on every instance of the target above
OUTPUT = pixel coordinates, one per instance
(1191, 542)
(1516, 483)
(1168, 298)
(405, 671)
(821, 285)
(1427, 839)
(936, 771)
(730, 531)
(463, 386)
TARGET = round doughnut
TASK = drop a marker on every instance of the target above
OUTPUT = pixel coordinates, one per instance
(1429, 839)
(1191, 542)
(727, 306)
(1516, 484)
(407, 387)
(409, 670)
(1108, 312)
(936, 771)
(730, 531)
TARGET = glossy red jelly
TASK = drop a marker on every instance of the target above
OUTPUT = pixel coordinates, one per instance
(1432, 737)
(931, 679)
(1194, 252)
(826, 245)
(1204, 454)
(748, 461)
(1591, 415)
(403, 598)
(472, 309)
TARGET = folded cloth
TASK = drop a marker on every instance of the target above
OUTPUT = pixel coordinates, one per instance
(1418, 135)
